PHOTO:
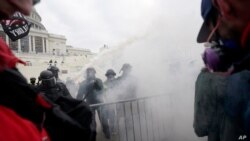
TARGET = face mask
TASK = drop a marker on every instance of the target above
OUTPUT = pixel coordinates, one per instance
(90, 75)
(49, 83)
(230, 44)
(110, 77)
(211, 59)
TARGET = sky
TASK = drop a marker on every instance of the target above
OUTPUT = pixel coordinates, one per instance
(93, 23)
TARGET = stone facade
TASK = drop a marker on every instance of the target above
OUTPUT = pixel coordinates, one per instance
(40, 41)
(78, 51)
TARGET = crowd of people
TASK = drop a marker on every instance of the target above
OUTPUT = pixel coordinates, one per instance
(46, 111)
(91, 91)
(42, 111)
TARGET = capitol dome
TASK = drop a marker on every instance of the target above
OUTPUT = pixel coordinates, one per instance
(35, 20)
(39, 40)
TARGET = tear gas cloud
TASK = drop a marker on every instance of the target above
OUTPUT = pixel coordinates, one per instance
(160, 69)
(166, 61)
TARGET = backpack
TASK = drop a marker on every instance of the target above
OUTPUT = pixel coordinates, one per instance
(63, 89)
(69, 120)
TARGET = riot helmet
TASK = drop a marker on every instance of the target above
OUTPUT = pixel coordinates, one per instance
(90, 73)
(110, 74)
(55, 70)
(32, 80)
(47, 79)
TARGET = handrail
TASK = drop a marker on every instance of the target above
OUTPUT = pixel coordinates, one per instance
(124, 101)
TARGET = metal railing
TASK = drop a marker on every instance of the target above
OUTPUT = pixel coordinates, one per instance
(141, 119)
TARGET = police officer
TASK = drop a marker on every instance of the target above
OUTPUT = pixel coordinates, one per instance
(111, 80)
(50, 63)
(49, 85)
(55, 70)
(91, 91)
(78, 112)
(33, 81)
(110, 93)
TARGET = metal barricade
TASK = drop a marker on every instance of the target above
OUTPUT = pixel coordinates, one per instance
(141, 119)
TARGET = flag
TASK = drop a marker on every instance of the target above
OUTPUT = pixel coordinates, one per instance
(16, 27)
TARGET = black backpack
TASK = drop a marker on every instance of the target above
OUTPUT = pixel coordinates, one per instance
(69, 120)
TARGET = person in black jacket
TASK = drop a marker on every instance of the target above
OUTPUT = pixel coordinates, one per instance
(55, 70)
(110, 96)
(22, 110)
(75, 111)
(91, 91)
(59, 83)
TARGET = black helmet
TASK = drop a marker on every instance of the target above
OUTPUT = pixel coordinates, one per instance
(46, 75)
(53, 69)
(32, 79)
(47, 78)
(110, 72)
(90, 69)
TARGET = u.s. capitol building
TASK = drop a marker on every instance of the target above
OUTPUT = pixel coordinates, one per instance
(40, 46)
(40, 41)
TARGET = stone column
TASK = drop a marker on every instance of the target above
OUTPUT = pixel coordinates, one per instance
(30, 45)
(47, 45)
(34, 44)
(43, 45)
(19, 46)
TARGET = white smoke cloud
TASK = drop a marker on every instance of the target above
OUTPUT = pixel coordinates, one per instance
(162, 65)
(92, 23)
(157, 37)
